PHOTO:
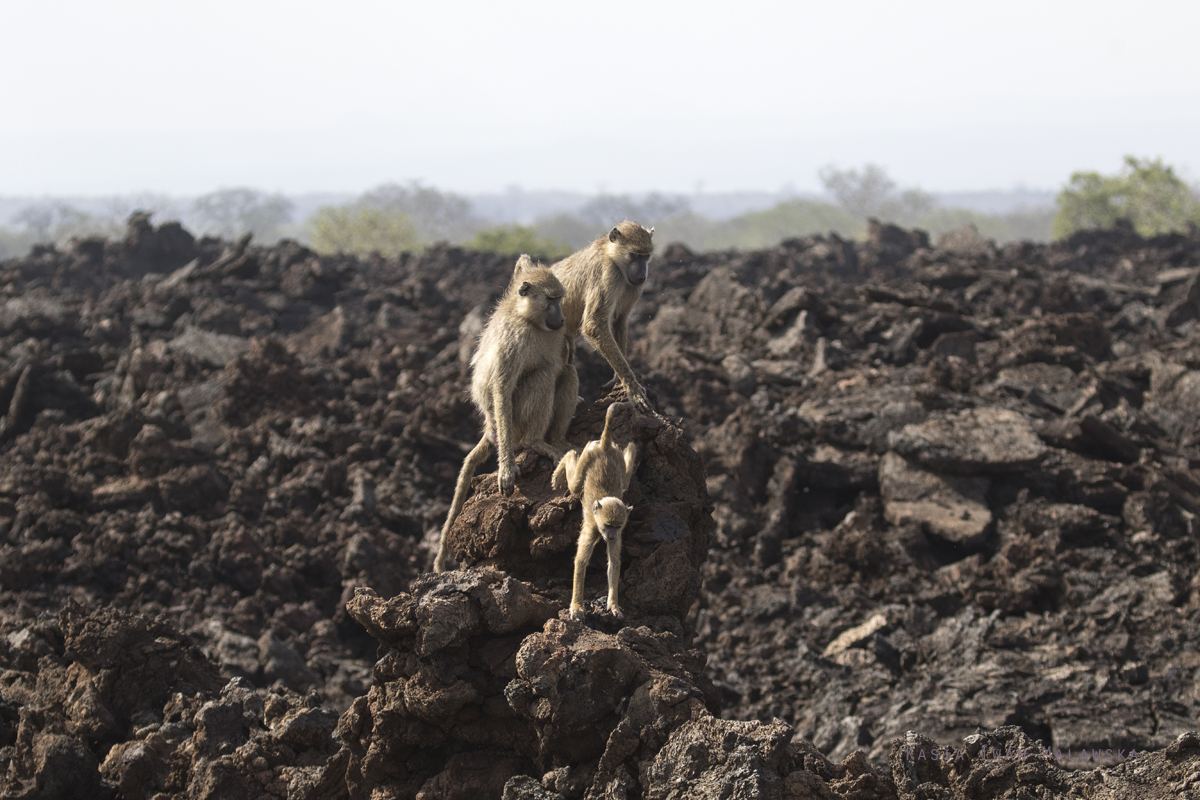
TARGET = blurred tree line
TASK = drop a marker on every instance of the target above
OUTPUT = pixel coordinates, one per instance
(396, 217)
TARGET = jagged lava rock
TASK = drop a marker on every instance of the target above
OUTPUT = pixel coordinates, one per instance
(984, 439)
(952, 508)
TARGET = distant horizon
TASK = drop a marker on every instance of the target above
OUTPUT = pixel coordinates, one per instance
(492, 206)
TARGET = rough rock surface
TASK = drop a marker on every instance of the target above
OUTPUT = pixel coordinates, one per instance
(209, 450)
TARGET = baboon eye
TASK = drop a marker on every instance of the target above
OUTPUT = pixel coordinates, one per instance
(525, 289)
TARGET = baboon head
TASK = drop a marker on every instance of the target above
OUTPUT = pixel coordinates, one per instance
(611, 515)
(630, 246)
(539, 294)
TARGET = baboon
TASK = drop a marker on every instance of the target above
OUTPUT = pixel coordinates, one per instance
(599, 474)
(602, 281)
(515, 368)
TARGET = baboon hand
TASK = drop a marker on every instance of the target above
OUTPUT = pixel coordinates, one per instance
(616, 612)
(577, 612)
(508, 478)
(637, 396)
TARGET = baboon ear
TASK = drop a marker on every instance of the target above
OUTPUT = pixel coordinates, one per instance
(525, 289)
(651, 231)
(613, 235)
(629, 509)
(596, 506)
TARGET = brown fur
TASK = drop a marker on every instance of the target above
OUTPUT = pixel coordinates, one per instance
(515, 370)
(602, 282)
(599, 474)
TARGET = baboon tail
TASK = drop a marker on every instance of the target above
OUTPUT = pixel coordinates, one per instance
(606, 437)
(470, 464)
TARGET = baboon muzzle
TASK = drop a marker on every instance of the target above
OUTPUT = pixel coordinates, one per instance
(637, 272)
(554, 318)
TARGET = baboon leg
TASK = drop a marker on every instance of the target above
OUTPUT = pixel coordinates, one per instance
(566, 397)
(577, 477)
(548, 450)
(564, 473)
(583, 554)
(471, 463)
(630, 465)
(614, 576)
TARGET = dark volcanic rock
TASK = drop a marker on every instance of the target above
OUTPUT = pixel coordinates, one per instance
(207, 447)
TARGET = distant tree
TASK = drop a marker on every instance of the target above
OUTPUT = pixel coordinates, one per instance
(517, 239)
(232, 213)
(1146, 192)
(435, 215)
(361, 231)
(860, 193)
(872, 193)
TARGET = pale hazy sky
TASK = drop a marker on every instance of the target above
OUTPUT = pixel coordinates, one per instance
(184, 97)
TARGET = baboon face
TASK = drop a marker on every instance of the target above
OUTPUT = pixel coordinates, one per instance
(637, 269)
(543, 301)
(630, 245)
(610, 515)
(540, 294)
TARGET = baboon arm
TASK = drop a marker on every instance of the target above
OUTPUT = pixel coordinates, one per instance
(566, 397)
(502, 409)
(600, 334)
(583, 554)
(620, 329)
(614, 577)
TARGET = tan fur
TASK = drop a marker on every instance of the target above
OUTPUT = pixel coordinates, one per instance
(515, 370)
(599, 474)
(602, 284)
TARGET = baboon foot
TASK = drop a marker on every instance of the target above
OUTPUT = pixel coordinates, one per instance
(507, 478)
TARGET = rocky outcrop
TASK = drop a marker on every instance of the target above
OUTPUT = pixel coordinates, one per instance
(532, 534)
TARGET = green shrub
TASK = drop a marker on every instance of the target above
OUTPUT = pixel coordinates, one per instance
(1146, 192)
(516, 239)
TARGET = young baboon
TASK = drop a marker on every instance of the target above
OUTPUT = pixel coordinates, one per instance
(515, 368)
(602, 281)
(599, 474)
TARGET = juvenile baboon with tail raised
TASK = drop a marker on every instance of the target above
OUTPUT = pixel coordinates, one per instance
(599, 474)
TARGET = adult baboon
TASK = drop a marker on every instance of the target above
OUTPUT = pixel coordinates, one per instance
(515, 369)
(602, 283)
